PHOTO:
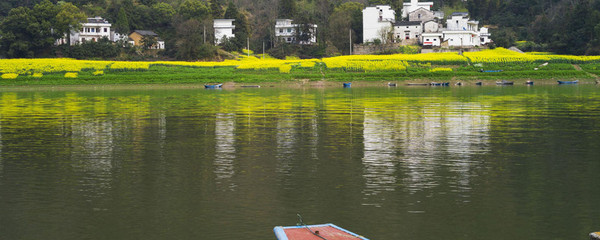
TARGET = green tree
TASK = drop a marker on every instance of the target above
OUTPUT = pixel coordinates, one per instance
(68, 19)
(193, 9)
(216, 9)
(20, 33)
(148, 41)
(242, 28)
(345, 18)
(287, 8)
(122, 23)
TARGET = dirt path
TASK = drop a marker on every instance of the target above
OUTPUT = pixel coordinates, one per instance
(578, 68)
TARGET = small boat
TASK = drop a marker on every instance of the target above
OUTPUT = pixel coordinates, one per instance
(317, 232)
(568, 82)
(458, 84)
(489, 71)
(391, 84)
(478, 83)
(347, 85)
(440, 84)
(504, 82)
(213, 86)
(417, 84)
(251, 86)
(529, 82)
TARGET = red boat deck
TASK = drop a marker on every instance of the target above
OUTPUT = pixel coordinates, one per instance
(327, 231)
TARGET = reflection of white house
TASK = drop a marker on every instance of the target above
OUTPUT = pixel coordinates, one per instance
(414, 5)
(285, 31)
(377, 21)
(223, 29)
(407, 30)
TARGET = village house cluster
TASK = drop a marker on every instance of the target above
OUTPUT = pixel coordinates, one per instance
(422, 26)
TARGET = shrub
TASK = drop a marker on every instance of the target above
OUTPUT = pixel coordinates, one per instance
(10, 75)
(71, 75)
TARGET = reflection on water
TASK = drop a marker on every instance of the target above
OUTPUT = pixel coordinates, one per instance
(225, 150)
(183, 163)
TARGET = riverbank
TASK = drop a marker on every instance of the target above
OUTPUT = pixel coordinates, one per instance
(486, 66)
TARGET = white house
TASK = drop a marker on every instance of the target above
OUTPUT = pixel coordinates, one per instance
(461, 31)
(285, 31)
(377, 21)
(407, 30)
(433, 39)
(484, 36)
(421, 15)
(223, 28)
(462, 38)
(413, 5)
(431, 26)
(94, 29)
(460, 22)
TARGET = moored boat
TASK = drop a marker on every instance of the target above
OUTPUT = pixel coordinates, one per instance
(504, 82)
(213, 86)
(315, 232)
(489, 71)
(568, 82)
(478, 83)
(440, 84)
(391, 84)
(529, 82)
(347, 85)
(417, 84)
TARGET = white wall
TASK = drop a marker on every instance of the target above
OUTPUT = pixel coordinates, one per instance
(462, 38)
(413, 32)
(376, 19)
(223, 28)
(414, 5)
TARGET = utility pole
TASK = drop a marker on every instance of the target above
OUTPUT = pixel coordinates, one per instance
(350, 39)
(263, 50)
(204, 34)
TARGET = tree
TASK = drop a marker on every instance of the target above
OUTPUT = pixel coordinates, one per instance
(287, 8)
(122, 23)
(148, 41)
(345, 18)
(68, 19)
(189, 35)
(216, 9)
(193, 9)
(242, 29)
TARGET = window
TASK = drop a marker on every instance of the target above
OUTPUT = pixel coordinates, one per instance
(93, 30)
(289, 30)
(419, 16)
(105, 29)
(427, 39)
(281, 30)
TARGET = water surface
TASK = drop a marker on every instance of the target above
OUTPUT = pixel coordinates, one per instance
(388, 163)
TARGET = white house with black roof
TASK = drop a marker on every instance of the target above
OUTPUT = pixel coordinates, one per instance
(407, 30)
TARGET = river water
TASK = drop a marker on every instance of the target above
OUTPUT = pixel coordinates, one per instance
(165, 162)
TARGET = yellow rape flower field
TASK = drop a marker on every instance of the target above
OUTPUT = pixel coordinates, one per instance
(253, 68)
